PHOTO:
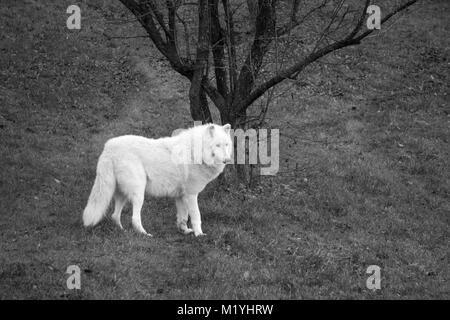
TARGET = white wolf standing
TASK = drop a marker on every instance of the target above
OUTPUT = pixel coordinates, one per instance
(179, 167)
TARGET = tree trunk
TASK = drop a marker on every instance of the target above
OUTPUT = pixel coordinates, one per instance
(199, 104)
(252, 7)
(242, 170)
(197, 96)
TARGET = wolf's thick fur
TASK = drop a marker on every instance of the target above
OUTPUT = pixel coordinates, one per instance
(179, 167)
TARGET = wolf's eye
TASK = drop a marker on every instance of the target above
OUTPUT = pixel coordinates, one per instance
(218, 145)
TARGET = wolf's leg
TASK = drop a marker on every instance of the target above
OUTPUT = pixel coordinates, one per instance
(194, 214)
(119, 202)
(182, 216)
(131, 179)
(138, 201)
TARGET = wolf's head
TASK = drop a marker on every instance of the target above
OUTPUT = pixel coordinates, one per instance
(217, 144)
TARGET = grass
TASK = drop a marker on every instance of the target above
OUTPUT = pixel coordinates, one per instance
(372, 186)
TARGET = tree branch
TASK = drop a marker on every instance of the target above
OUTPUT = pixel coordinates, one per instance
(264, 32)
(350, 40)
(217, 48)
(197, 97)
(231, 45)
(294, 21)
(140, 10)
(172, 30)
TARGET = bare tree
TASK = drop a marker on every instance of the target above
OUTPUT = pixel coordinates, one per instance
(244, 48)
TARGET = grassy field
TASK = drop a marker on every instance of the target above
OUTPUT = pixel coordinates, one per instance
(364, 177)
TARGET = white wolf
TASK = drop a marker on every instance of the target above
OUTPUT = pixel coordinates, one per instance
(130, 165)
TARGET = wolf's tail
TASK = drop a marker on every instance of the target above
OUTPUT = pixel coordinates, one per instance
(101, 194)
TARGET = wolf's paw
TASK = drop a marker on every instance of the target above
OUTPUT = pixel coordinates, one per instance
(187, 231)
(199, 234)
(117, 222)
(145, 233)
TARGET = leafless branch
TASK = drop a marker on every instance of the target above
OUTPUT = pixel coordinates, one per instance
(351, 39)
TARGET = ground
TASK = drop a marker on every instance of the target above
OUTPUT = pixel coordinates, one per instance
(364, 176)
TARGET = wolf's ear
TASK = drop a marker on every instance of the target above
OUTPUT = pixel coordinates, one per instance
(211, 130)
(227, 128)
